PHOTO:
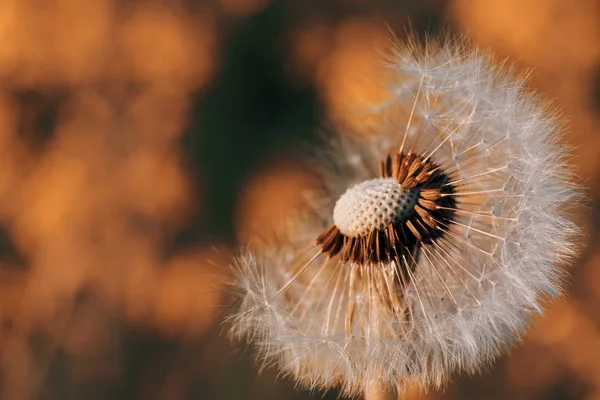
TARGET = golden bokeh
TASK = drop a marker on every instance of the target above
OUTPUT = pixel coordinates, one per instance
(89, 202)
(96, 101)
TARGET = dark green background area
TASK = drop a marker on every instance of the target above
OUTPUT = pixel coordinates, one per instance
(251, 109)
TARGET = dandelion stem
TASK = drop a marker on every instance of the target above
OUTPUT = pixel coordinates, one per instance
(376, 392)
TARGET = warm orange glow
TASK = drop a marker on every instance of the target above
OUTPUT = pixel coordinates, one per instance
(561, 41)
(347, 66)
(91, 209)
(269, 198)
(94, 194)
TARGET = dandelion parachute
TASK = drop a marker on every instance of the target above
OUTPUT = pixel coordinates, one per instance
(433, 240)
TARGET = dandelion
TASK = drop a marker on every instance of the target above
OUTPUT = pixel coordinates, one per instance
(434, 238)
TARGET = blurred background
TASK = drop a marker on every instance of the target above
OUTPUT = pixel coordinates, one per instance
(142, 141)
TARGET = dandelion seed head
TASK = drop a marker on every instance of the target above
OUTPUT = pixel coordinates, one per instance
(373, 205)
(433, 241)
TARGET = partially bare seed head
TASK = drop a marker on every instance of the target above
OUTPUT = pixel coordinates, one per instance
(383, 219)
(434, 264)
(373, 205)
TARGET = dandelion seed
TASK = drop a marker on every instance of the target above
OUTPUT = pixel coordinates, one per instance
(433, 249)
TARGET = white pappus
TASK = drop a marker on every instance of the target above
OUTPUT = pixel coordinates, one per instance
(434, 239)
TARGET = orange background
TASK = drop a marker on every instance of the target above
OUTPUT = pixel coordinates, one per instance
(142, 141)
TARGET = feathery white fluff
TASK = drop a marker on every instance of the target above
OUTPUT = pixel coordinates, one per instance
(473, 288)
